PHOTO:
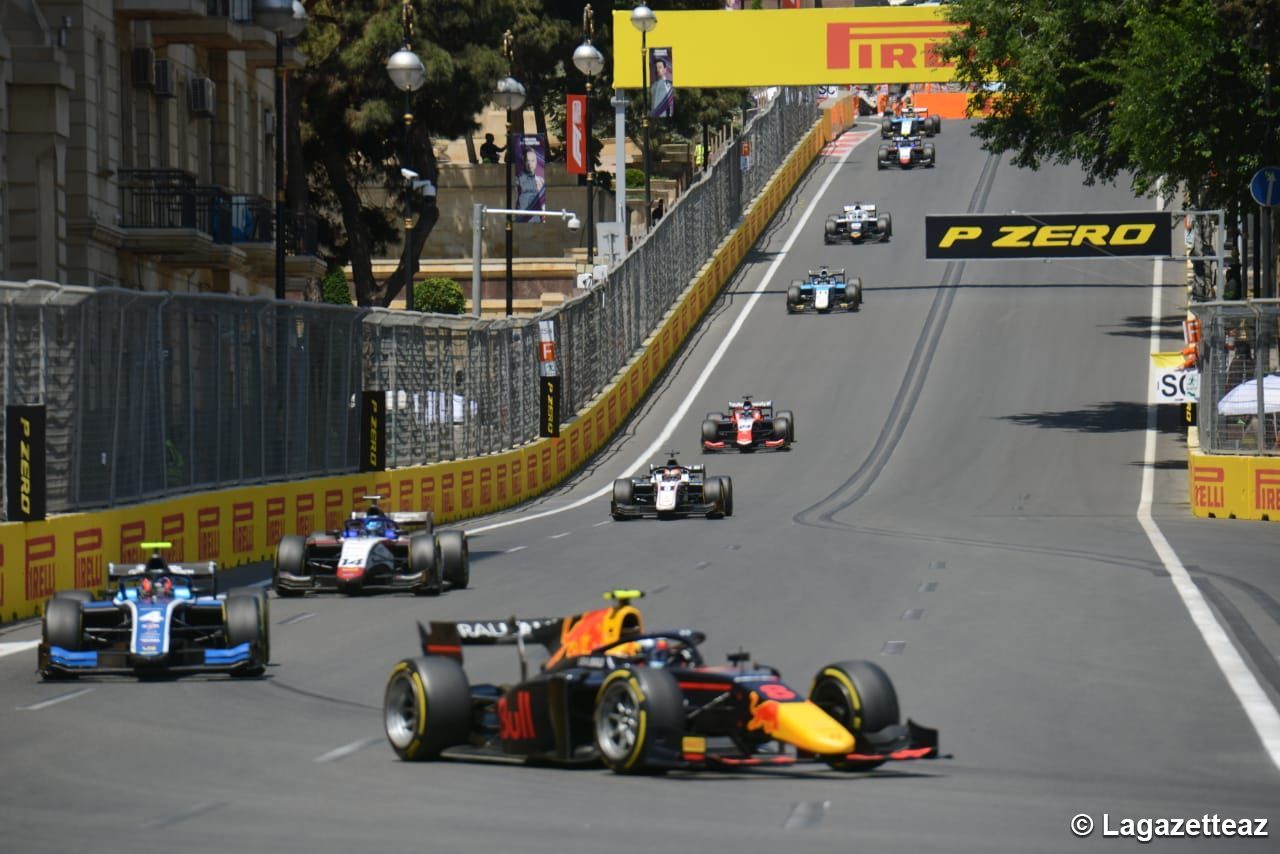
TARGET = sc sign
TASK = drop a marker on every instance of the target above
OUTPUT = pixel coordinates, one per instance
(1176, 387)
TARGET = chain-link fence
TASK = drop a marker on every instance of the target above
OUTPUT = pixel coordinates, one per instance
(153, 394)
(1238, 356)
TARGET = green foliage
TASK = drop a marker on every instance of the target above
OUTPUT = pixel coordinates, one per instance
(635, 178)
(443, 296)
(1165, 90)
(334, 288)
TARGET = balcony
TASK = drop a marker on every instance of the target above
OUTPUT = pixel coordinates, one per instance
(220, 24)
(161, 10)
(253, 231)
(166, 214)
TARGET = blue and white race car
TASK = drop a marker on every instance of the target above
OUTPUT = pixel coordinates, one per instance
(906, 149)
(161, 619)
(824, 290)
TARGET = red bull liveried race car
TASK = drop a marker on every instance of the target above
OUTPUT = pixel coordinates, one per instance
(749, 425)
(162, 619)
(374, 551)
(638, 701)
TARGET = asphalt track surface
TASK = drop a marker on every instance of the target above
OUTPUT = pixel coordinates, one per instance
(960, 507)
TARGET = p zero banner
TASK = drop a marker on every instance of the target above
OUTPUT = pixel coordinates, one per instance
(575, 153)
(1140, 234)
(373, 431)
(24, 463)
(790, 47)
(549, 406)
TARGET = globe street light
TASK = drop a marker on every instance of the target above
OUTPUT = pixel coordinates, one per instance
(590, 62)
(509, 95)
(407, 74)
(643, 19)
(287, 19)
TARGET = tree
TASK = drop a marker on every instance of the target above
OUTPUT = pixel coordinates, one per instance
(441, 295)
(1167, 90)
(352, 117)
(334, 288)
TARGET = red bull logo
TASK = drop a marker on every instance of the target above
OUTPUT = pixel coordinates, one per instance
(515, 717)
(764, 715)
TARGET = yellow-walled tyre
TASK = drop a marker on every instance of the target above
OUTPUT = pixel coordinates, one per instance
(861, 698)
(639, 718)
(426, 707)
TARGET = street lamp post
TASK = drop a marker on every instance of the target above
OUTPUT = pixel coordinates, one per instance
(509, 94)
(407, 74)
(478, 213)
(287, 18)
(589, 61)
(643, 19)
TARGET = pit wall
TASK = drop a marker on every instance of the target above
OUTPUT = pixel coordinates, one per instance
(238, 526)
(1232, 487)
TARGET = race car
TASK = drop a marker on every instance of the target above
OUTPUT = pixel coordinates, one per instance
(906, 151)
(374, 551)
(162, 619)
(913, 120)
(749, 425)
(671, 490)
(638, 701)
(824, 290)
(857, 222)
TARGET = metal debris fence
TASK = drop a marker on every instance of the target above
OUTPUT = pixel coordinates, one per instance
(154, 394)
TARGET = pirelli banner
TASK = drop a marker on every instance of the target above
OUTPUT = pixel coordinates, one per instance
(1143, 234)
(789, 47)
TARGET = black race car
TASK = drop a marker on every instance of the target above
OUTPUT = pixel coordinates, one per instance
(638, 701)
(672, 490)
(374, 550)
(163, 619)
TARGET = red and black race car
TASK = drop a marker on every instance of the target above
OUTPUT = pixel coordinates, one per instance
(374, 550)
(638, 701)
(749, 425)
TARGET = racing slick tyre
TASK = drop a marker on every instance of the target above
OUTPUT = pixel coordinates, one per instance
(791, 424)
(884, 223)
(858, 695)
(426, 707)
(831, 231)
(244, 625)
(710, 431)
(291, 557)
(886, 128)
(726, 492)
(624, 493)
(715, 416)
(935, 122)
(793, 297)
(264, 616)
(928, 154)
(77, 595)
(64, 622)
(782, 427)
(853, 294)
(639, 717)
(455, 558)
(713, 494)
(424, 557)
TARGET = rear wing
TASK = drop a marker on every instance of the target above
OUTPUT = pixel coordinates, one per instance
(201, 576)
(412, 520)
(448, 638)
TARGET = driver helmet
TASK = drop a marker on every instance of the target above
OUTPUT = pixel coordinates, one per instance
(375, 526)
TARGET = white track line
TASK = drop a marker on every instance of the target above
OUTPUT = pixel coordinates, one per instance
(348, 749)
(661, 442)
(1262, 714)
(13, 647)
(53, 701)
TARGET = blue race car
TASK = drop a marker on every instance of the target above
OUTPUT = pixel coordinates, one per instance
(825, 290)
(912, 121)
(163, 619)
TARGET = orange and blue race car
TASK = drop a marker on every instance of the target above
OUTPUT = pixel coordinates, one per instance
(638, 701)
